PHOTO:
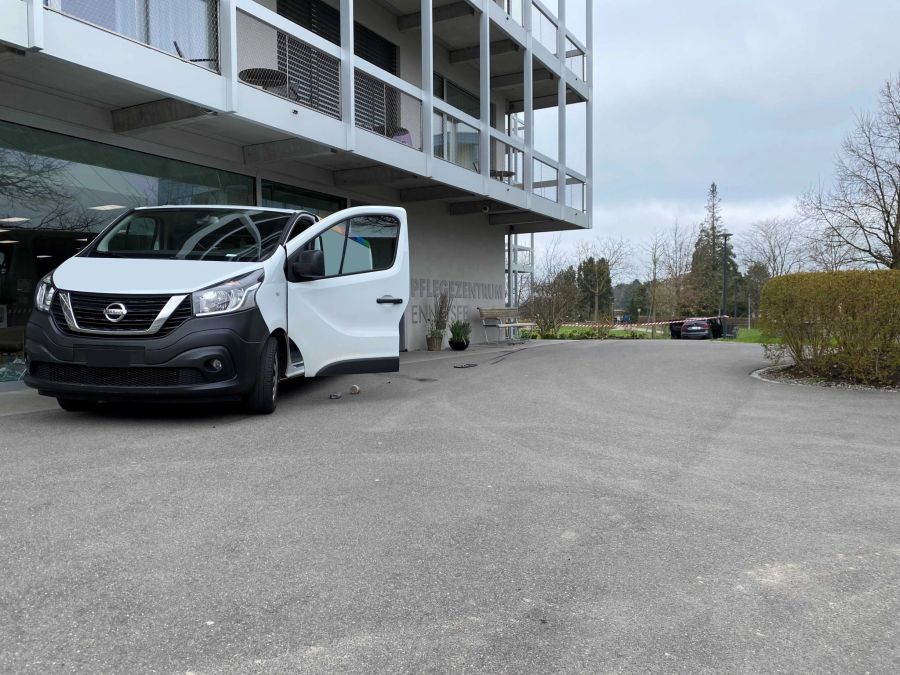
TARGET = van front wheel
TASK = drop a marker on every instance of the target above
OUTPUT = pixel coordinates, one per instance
(264, 394)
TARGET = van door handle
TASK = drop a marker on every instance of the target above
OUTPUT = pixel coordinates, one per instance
(388, 300)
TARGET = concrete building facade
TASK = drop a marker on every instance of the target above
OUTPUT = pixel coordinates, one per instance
(435, 106)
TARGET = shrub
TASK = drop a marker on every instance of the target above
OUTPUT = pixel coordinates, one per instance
(841, 325)
(460, 330)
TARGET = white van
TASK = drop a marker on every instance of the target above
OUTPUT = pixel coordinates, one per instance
(218, 302)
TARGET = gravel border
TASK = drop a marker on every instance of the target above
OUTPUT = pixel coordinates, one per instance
(781, 375)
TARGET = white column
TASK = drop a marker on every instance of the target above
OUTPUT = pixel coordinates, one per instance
(484, 42)
(36, 24)
(228, 65)
(427, 89)
(528, 94)
(561, 105)
(589, 114)
(348, 104)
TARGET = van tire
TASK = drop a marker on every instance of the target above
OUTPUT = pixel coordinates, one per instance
(76, 404)
(264, 395)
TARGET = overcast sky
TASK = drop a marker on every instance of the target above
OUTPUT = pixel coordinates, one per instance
(755, 95)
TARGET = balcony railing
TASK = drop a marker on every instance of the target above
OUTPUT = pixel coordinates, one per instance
(545, 180)
(513, 8)
(283, 65)
(456, 141)
(188, 29)
(575, 193)
(387, 111)
(575, 59)
(507, 163)
(543, 28)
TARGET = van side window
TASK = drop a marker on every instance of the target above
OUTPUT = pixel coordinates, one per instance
(362, 244)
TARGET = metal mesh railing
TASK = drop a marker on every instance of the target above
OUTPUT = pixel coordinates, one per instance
(188, 29)
(387, 111)
(284, 66)
(545, 180)
(456, 141)
(507, 163)
(574, 193)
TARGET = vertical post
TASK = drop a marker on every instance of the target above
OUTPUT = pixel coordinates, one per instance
(484, 42)
(589, 112)
(427, 84)
(724, 306)
(528, 93)
(228, 64)
(35, 10)
(348, 90)
(509, 266)
(561, 102)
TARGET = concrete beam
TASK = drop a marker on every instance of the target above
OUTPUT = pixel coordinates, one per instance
(478, 206)
(284, 150)
(516, 79)
(542, 102)
(457, 9)
(518, 218)
(474, 53)
(369, 175)
(427, 194)
(165, 112)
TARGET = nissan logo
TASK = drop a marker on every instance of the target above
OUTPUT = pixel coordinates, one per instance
(115, 312)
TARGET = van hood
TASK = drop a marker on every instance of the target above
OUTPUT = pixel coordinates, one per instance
(137, 276)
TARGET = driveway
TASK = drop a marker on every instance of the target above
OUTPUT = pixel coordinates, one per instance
(616, 506)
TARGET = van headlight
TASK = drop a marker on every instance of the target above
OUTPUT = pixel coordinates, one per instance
(45, 293)
(230, 296)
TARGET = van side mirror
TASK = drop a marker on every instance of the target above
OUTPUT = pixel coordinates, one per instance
(308, 266)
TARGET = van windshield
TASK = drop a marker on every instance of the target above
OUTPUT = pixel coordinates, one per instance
(230, 235)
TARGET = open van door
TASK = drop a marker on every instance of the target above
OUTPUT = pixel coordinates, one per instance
(347, 288)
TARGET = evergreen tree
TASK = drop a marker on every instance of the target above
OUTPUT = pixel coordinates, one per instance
(706, 262)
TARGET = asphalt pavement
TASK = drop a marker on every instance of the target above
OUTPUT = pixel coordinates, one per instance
(614, 506)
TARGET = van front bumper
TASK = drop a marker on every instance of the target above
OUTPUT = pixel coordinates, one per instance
(206, 358)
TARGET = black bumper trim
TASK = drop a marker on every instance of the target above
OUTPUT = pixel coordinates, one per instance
(176, 366)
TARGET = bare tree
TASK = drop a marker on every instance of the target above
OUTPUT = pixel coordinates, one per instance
(675, 259)
(618, 255)
(553, 295)
(28, 179)
(826, 252)
(862, 209)
(776, 243)
(654, 248)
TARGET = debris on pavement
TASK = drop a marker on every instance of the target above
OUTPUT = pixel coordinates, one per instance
(354, 389)
(336, 394)
(466, 365)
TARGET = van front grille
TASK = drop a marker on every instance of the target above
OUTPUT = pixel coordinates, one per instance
(141, 311)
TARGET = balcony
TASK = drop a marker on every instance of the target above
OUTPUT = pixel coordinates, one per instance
(188, 29)
(239, 72)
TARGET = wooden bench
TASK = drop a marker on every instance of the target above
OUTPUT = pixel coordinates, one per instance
(504, 319)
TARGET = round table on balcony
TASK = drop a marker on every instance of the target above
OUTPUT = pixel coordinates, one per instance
(265, 78)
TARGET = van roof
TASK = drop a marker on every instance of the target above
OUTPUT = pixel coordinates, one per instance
(218, 206)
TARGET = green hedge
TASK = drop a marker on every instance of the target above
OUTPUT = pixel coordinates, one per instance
(838, 325)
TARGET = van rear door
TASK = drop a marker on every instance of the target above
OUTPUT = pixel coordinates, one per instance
(347, 288)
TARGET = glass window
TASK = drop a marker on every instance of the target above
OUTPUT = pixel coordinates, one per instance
(68, 189)
(228, 235)
(363, 244)
(281, 196)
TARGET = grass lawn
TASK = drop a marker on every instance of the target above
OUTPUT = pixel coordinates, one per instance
(755, 336)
